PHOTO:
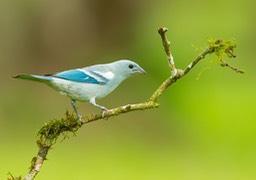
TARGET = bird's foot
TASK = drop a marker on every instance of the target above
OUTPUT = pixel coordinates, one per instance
(79, 117)
(103, 113)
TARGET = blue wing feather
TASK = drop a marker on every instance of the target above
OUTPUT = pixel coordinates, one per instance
(81, 76)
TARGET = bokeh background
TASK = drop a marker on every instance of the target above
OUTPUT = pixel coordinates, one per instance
(205, 127)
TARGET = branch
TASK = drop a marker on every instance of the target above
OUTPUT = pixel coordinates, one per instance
(225, 64)
(51, 131)
(166, 43)
(224, 47)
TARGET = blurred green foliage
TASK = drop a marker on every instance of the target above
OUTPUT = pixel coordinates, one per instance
(204, 129)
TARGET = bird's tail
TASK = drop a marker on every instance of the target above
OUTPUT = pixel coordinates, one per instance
(44, 79)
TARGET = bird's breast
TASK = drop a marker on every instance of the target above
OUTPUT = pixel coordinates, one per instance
(82, 91)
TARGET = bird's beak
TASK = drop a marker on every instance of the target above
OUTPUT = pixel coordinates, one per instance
(141, 71)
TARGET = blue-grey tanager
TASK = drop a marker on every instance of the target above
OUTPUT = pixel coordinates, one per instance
(89, 83)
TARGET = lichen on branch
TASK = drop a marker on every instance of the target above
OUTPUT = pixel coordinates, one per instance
(222, 48)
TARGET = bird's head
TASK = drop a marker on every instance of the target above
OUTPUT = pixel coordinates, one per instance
(127, 68)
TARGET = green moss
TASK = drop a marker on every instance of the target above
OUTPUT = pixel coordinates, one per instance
(13, 178)
(33, 162)
(53, 129)
(222, 47)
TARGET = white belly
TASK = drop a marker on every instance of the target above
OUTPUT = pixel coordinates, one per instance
(81, 91)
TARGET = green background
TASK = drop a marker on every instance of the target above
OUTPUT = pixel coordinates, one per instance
(205, 127)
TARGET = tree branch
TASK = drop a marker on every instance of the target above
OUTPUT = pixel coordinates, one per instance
(51, 131)
(166, 43)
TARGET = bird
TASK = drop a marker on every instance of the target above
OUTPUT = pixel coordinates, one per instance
(88, 83)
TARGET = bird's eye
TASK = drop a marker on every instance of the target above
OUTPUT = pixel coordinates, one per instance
(131, 66)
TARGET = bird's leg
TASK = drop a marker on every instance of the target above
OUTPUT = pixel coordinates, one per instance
(93, 102)
(73, 103)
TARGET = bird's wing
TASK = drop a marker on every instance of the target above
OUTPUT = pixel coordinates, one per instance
(82, 75)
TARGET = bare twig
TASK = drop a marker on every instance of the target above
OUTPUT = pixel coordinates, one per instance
(51, 131)
(225, 64)
(166, 43)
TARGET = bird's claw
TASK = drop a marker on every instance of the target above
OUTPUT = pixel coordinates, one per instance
(103, 113)
(79, 117)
